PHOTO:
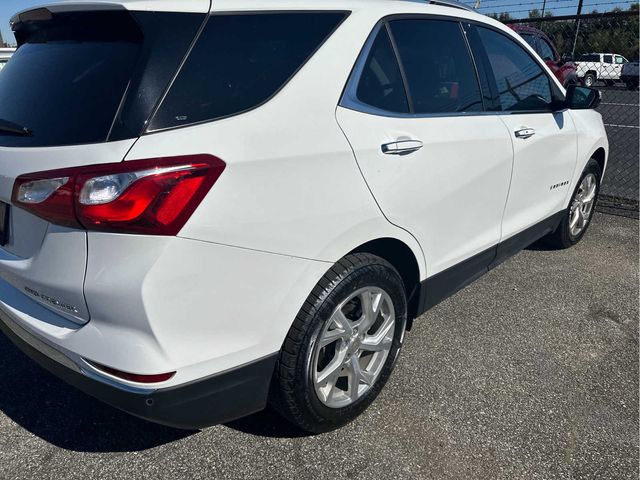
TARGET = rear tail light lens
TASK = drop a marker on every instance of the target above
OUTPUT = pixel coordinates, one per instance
(154, 197)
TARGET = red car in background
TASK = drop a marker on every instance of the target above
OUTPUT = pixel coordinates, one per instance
(565, 71)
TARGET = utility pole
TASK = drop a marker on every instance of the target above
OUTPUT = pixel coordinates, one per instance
(575, 39)
(1, 40)
(544, 5)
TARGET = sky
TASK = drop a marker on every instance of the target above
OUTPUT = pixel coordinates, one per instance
(7, 9)
(518, 8)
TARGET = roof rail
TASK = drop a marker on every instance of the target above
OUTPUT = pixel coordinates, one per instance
(451, 3)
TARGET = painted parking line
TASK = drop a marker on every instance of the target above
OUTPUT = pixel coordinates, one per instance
(621, 126)
(621, 104)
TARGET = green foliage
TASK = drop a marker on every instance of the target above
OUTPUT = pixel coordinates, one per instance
(609, 34)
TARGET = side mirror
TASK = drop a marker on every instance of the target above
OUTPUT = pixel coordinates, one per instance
(582, 98)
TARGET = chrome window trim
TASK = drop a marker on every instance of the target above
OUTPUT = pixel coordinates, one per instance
(349, 99)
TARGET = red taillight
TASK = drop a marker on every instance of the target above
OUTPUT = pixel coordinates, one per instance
(133, 377)
(154, 197)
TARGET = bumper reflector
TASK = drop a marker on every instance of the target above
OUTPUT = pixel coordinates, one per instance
(132, 377)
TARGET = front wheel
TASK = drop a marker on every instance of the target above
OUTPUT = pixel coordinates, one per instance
(578, 215)
(342, 346)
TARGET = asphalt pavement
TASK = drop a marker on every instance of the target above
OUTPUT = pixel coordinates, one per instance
(531, 372)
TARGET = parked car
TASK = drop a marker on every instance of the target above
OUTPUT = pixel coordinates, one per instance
(563, 69)
(600, 66)
(629, 75)
(5, 55)
(188, 242)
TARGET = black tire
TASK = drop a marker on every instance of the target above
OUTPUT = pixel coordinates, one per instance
(562, 238)
(589, 80)
(293, 394)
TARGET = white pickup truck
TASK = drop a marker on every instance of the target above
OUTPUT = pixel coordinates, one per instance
(599, 66)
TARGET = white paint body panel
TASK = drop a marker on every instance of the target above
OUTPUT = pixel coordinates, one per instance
(541, 162)
(49, 259)
(451, 193)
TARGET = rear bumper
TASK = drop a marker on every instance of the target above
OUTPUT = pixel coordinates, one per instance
(217, 399)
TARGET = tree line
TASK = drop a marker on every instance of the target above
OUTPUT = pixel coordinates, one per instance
(606, 34)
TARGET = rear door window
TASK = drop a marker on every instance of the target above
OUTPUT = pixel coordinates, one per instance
(240, 61)
(440, 74)
(381, 84)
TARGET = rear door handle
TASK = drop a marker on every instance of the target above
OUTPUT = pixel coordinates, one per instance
(402, 147)
(525, 133)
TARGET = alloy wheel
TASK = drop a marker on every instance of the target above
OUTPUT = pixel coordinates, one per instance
(353, 346)
(582, 205)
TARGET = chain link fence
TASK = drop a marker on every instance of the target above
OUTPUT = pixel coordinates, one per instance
(604, 50)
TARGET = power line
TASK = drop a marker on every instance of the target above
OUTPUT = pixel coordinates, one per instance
(598, 4)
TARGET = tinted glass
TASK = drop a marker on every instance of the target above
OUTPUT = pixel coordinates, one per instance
(381, 82)
(68, 77)
(531, 40)
(589, 58)
(239, 62)
(545, 51)
(485, 75)
(521, 82)
(439, 70)
(95, 65)
(607, 58)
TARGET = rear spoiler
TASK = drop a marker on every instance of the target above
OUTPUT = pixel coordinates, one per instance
(185, 6)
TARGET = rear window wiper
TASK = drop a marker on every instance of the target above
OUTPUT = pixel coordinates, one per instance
(13, 128)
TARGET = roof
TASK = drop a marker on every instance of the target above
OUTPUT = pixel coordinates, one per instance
(239, 5)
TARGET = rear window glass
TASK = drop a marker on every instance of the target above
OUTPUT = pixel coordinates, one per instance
(69, 76)
(66, 81)
(240, 61)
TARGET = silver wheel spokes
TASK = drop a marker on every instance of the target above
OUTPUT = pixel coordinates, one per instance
(582, 205)
(353, 347)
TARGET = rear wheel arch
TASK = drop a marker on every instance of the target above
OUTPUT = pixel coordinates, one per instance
(403, 259)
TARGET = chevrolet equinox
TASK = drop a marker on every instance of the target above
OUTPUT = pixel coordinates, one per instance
(208, 207)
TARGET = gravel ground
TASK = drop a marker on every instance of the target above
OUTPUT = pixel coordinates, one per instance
(531, 372)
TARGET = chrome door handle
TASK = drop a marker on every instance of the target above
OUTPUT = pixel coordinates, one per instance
(402, 147)
(525, 133)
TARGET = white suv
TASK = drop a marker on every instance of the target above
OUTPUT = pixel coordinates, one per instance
(205, 209)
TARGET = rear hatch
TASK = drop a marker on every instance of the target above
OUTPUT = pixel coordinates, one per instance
(78, 91)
